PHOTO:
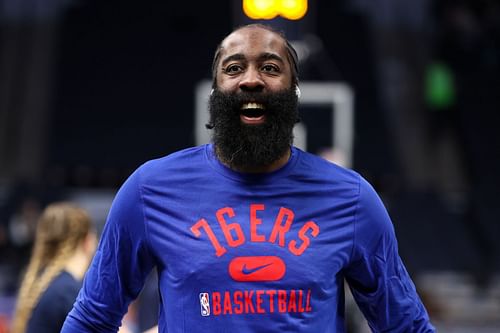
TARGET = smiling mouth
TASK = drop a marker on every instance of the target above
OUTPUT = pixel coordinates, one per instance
(250, 106)
(253, 113)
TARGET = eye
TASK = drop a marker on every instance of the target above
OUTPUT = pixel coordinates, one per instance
(232, 69)
(270, 68)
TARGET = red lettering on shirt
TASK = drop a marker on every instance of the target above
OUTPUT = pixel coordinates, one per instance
(227, 228)
(280, 228)
(292, 305)
(271, 294)
(308, 301)
(238, 295)
(299, 302)
(309, 225)
(281, 301)
(234, 236)
(259, 300)
(203, 224)
(254, 222)
(228, 308)
(216, 307)
(248, 302)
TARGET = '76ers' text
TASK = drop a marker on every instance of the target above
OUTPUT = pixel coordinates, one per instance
(235, 237)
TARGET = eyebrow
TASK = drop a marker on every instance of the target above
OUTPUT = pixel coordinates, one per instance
(262, 57)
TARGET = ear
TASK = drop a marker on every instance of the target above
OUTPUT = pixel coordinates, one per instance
(297, 91)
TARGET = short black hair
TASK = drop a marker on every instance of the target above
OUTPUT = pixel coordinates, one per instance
(293, 59)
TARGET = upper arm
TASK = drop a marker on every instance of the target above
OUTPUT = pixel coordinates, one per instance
(376, 274)
(119, 267)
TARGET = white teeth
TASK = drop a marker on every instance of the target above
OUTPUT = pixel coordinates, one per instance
(252, 106)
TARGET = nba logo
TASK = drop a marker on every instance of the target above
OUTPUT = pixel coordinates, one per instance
(204, 304)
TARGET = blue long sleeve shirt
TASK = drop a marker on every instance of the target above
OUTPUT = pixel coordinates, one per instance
(244, 253)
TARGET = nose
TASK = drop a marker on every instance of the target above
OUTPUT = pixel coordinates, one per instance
(251, 80)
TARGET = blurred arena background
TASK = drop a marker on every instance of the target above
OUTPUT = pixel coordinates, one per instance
(91, 89)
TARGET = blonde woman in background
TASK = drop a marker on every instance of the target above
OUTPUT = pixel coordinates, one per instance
(65, 242)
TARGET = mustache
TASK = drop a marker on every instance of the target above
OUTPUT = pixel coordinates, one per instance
(232, 101)
(245, 97)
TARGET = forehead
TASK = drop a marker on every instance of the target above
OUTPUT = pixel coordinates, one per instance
(253, 42)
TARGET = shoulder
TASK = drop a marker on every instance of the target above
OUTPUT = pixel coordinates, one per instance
(348, 184)
(318, 168)
(184, 160)
(54, 304)
(63, 287)
(179, 158)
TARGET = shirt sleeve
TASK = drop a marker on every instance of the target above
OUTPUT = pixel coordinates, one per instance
(119, 268)
(376, 275)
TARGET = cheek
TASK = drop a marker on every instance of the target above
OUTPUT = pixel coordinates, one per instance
(225, 84)
(279, 84)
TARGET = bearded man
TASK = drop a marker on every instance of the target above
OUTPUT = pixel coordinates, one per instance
(249, 233)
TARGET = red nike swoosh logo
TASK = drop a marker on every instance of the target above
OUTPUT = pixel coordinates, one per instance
(260, 268)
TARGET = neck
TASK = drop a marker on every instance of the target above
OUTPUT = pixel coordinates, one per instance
(77, 264)
(280, 162)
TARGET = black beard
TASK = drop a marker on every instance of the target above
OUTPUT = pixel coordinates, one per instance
(244, 146)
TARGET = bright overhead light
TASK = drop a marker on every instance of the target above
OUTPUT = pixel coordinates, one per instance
(269, 9)
(293, 9)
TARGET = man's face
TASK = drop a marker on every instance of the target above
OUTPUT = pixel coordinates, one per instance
(254, 106)
(253, 59)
